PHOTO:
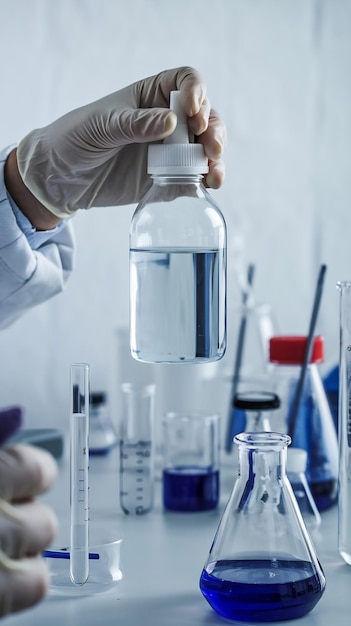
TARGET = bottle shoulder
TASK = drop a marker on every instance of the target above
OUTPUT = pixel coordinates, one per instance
(178, 214)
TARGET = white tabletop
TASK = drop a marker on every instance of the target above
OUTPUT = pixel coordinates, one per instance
(162, 556)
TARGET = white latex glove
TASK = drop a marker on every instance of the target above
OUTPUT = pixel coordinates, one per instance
(26, 526)
(97, 155)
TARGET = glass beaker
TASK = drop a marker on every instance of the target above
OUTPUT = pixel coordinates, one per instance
(104, 563)
(344, 501)
(191, 461)
(136, 449)
(262, 565)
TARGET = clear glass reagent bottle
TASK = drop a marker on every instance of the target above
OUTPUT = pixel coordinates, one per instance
(177, 258)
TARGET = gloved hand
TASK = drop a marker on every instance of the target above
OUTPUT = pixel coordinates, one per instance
(97, 155)
(26, 526)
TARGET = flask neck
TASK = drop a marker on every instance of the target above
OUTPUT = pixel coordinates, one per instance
(263, 455)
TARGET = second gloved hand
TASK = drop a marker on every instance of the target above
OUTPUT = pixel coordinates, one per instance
(27, 526)
(96, 155)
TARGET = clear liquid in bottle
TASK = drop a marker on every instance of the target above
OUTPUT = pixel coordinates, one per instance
(178, 300)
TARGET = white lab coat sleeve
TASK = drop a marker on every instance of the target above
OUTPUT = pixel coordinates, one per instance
(34, 266)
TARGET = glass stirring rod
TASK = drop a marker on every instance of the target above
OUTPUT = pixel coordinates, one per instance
(79, 465)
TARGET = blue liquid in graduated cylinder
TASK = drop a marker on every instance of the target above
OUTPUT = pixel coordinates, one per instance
(190, 488)
(262, 590)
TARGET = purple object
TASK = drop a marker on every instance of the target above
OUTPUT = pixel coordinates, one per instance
(11, 420)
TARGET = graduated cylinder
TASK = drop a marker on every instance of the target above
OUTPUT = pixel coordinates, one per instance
(344, 430)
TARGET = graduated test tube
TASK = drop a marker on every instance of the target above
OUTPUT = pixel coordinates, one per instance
(79, 434)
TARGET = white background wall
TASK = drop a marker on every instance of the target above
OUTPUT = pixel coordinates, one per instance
(278, 71)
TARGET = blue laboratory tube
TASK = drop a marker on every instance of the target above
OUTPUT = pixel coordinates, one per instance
(79, 465)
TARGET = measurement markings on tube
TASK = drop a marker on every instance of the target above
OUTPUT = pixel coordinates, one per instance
(81, 485)
(348, 378)
(135, 470)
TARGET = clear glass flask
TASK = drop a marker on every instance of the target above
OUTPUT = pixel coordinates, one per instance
(257, 407)
(262, 565)
(177, 258)
(252, 325)
(344, 501)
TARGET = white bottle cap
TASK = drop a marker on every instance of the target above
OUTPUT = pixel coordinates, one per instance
(176, 156)
(296, 461)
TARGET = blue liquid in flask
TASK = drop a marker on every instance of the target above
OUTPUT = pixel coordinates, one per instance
(190, 488)
(262, 590)
(242, 581)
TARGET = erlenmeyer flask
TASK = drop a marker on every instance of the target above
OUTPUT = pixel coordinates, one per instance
(262, 565)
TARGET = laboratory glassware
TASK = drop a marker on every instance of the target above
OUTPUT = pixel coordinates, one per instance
(240, 343)
(257, 407)
(296, 471)
(137, 448)
(102, 435)
(331, 386)
(314, 429)
(252, 369)
(177, 258)
(79, 467)
(191, 461)
(262, 565)
(104, 562)
(344, 502)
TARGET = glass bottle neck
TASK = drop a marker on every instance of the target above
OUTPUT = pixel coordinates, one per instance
(184, 179)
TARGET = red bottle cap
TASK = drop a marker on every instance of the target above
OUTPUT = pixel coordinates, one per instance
(290, 350)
